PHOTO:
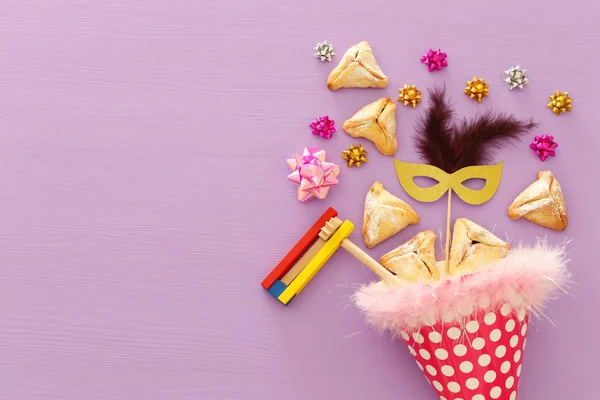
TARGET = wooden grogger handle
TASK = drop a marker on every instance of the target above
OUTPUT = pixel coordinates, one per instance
(373, 265)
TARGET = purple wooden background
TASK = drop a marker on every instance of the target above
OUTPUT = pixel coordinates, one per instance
(143, 194)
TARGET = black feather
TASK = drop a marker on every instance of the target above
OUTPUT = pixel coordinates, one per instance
(434, 130)
(451, 146)
(475, 140)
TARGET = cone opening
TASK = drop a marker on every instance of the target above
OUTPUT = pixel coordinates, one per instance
(522, 281)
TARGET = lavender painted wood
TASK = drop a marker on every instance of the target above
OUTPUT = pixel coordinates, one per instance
(143, 193)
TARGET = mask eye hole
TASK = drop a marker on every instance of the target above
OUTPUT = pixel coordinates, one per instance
(475, 183)
(424, 181)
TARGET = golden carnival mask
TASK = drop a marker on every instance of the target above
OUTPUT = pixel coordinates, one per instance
(490, 173)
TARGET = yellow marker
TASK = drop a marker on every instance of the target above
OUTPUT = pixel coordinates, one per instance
(317, 262)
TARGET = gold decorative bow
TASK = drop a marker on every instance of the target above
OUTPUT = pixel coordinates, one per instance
(491, 173)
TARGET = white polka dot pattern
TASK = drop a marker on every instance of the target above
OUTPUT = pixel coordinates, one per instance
(411, 350)
(500, 351)
(435, 337)
(489, 376)
(517, 356)
(466, 366)
(454, 333)
(495, 335)
(454, 387)
(505, 309)
(460, 350)
(489, 319)
(441, 354)
(514, 341)
(418, 337)
(472, 383)
(478, 358)
(510, 325)
(472, 326)
(478, 343)
(447, 370)
(510, 381)
(495, 392)
(484, 360)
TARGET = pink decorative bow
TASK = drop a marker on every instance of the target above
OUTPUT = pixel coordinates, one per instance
(323, 126)
(313, 175)
(435, 59)
(544, 146)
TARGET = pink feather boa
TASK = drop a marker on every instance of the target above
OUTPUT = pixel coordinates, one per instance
(525, 279)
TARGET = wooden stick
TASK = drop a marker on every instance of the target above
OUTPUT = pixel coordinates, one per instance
(373, 265)
(446, 270)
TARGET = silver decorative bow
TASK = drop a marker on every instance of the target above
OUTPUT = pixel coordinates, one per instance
(324, 51)
(516, 77)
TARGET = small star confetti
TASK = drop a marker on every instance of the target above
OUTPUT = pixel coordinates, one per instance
(560, 102)
(410, 95)
(516, 77)
(324, 51)
(477, 89)
(355, 155)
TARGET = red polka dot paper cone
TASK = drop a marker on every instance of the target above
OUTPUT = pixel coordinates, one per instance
(478, 358)
(468, 333)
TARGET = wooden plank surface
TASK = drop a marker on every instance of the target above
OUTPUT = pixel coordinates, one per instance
(143, 191)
